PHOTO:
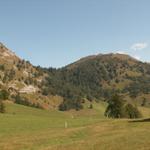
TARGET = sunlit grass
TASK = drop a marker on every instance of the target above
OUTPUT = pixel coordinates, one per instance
(25, 128)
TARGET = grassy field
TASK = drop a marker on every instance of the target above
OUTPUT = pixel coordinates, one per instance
(25, 128)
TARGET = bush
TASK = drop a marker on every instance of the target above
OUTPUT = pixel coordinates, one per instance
(45, 91)
(70, 104)
(131, 111)
(2, 107)
(2, 67)
(144, 102)
(63, 107)
(91, 106)
(4, 95)
(24, 101)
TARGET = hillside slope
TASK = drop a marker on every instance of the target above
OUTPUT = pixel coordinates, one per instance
(91, 78)
(22, 80)
(99, 76)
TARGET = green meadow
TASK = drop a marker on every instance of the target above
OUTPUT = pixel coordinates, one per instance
(25, 128)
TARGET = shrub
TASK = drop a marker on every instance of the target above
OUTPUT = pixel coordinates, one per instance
(144, 102)
(70, 104)
(131, 111)
(24, 101)
(2, 107)
(91, 106)
(4, 95)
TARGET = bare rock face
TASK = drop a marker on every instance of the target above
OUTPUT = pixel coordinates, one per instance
(17, 74)
(29, 89)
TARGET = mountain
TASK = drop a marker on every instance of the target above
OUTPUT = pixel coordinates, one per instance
(92, 78)
(97, 77)
(22, 80)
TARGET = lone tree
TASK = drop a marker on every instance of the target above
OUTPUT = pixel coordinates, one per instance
(115, 107)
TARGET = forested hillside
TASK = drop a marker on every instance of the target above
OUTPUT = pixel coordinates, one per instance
(97, 78)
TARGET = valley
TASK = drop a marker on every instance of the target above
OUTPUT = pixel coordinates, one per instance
(74, 75)
(25, 128)
(59, 109)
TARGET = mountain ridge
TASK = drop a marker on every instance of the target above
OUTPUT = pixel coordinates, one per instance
(99, 76)
(20, 78)
(115, 55)
(94, 77)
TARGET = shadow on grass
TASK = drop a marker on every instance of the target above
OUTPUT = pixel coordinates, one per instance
(140, 120)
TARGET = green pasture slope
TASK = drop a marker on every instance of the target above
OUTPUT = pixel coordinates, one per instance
(25, 128)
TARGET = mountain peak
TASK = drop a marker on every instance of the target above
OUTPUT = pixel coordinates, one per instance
(105, 58)
(121, 56)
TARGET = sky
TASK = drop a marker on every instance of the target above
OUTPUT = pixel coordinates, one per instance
(54, 33)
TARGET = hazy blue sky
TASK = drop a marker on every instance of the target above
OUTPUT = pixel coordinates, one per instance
(58, 32)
